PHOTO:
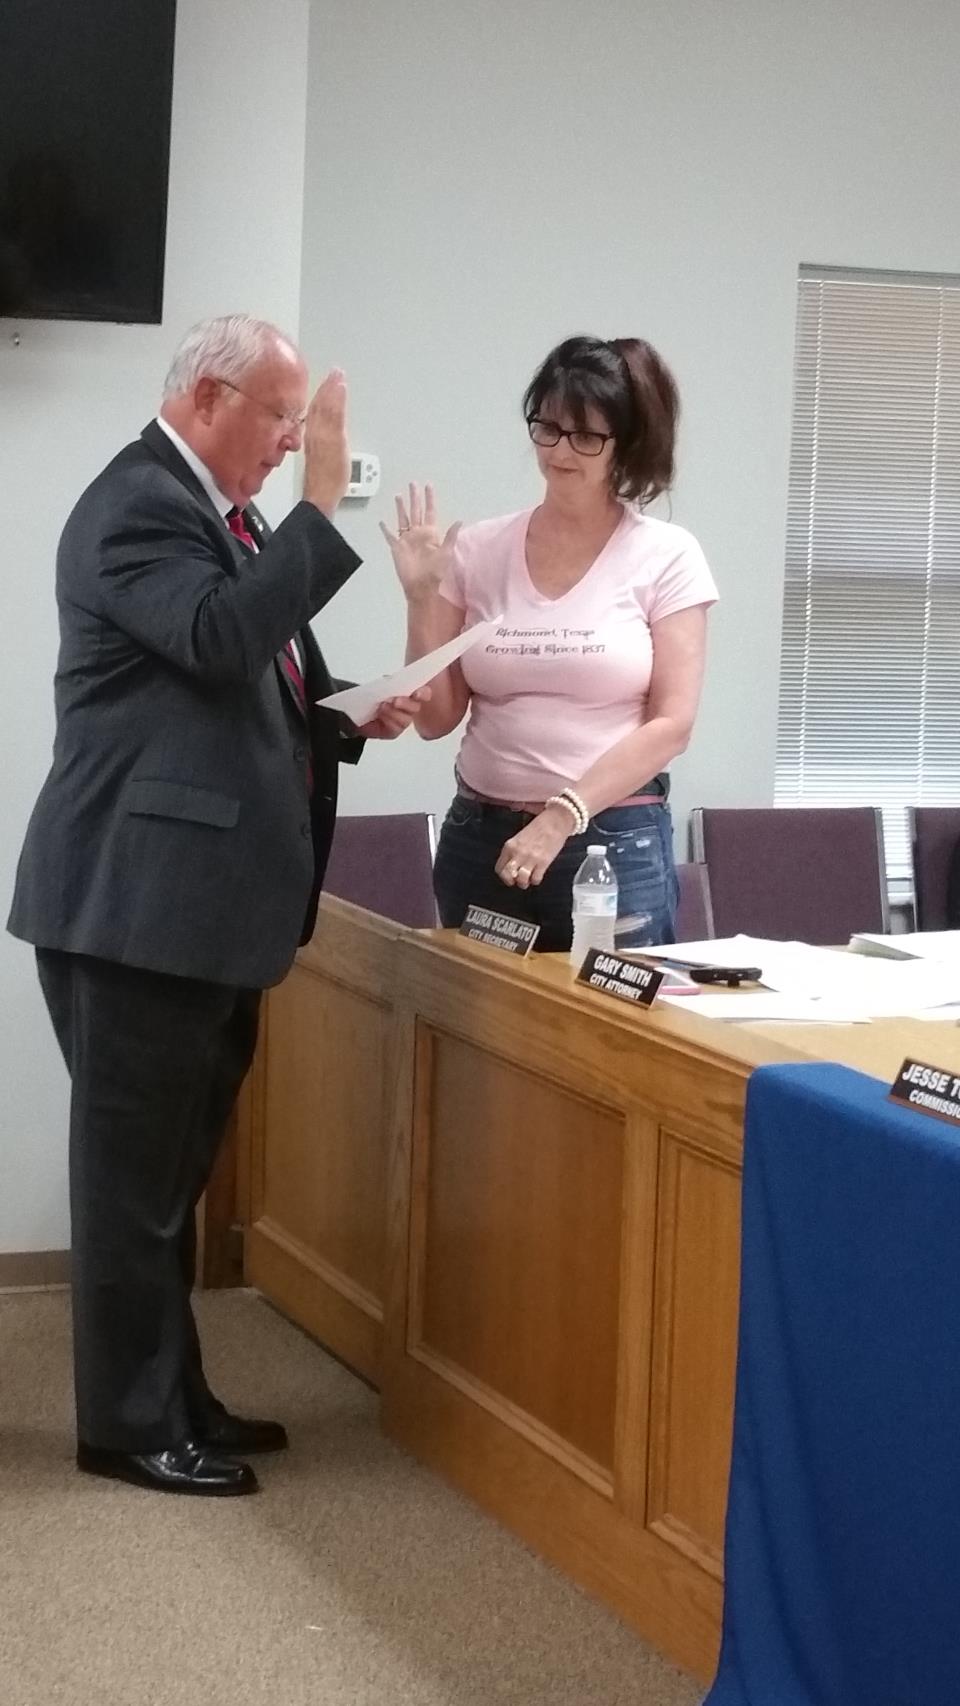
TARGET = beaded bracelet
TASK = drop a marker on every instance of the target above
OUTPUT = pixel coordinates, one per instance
(575, 800)
(574, 805)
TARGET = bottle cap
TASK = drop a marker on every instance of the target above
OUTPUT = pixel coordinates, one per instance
(602, 850)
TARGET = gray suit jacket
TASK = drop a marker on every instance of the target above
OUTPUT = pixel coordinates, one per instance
(175, 830)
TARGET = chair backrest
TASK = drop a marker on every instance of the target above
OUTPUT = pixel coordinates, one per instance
(694, 909)
(934, 838)
(385, 864)
(806, 873)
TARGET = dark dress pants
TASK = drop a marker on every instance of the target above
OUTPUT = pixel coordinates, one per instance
(155, 1064)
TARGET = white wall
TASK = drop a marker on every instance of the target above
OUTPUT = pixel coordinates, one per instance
(483, 180)
(70, 396)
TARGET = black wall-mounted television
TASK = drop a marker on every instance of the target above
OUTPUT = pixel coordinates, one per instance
(85, 93)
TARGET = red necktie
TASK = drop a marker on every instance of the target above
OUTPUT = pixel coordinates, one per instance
(290, 664)
(239, 529)
(287, 659)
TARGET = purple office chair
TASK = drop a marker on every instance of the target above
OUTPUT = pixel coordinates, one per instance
(386, 865)
(694, 909)
(806, 873)
(934, 837)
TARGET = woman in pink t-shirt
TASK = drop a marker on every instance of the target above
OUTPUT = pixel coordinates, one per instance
(589, 685)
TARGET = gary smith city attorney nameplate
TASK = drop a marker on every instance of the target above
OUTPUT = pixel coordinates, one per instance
(613, 975)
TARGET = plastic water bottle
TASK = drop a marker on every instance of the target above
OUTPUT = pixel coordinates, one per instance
(594, 906)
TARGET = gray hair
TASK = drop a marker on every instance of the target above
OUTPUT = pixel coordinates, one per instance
(225, 348)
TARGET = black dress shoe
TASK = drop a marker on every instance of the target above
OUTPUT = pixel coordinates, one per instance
(240, 1436)
(186, 1468)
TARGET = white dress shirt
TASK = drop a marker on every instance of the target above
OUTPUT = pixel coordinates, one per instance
(221, 503)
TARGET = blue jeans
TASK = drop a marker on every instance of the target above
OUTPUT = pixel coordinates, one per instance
(639, 843)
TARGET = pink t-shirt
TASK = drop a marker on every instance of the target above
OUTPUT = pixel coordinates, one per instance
(563, 679)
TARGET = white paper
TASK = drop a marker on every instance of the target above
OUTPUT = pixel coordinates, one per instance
(674, 980)
(718, 951)
(910, 945)
(362, 702)
(768, 1005)
(851, 986)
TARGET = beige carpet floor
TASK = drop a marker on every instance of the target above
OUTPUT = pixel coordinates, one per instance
(355, 1578)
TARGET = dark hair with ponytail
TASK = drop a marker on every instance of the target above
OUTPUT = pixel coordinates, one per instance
(635, 392)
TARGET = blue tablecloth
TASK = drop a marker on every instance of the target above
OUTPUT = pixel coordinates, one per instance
(843, 1527)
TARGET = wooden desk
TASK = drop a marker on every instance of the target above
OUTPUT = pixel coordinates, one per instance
(514, 1205)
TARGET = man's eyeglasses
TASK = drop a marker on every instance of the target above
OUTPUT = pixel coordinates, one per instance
(585, 443)
(296, 423)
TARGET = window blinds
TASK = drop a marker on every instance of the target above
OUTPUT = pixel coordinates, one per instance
(870, 662)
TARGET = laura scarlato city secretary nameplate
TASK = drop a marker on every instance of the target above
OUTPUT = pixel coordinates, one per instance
(499, 930)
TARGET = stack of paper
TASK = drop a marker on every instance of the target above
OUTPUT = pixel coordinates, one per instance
(915, 945)
(822, 984)
(766, 1005)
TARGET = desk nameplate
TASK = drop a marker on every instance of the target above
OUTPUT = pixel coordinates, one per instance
(931, 1090)
(499, 930)
(611, 974)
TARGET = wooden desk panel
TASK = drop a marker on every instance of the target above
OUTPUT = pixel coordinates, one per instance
(696, 1287)
(320, 1115)
(517, 1218)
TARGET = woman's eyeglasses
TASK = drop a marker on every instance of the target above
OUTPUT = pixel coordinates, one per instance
(584, 442)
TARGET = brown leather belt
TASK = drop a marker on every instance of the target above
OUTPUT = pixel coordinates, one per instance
(534, 807)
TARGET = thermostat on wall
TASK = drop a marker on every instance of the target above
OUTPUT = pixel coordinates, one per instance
(364, 477)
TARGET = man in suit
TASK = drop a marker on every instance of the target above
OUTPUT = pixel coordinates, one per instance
(173, 861)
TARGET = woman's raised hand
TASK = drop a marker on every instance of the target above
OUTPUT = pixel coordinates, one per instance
(421, 554)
